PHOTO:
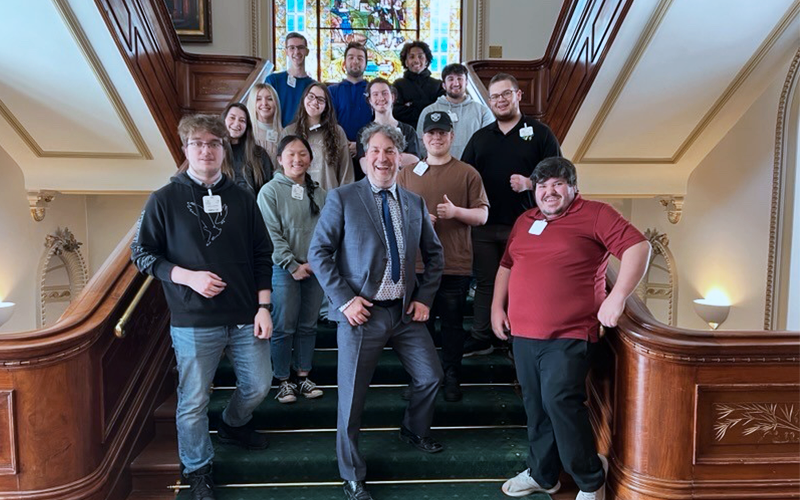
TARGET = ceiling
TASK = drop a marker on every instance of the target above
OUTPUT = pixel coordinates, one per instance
(679, 75)
(71, 116)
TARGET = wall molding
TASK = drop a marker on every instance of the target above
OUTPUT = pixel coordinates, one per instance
(633, 61)
(85, 46)
(780, 196)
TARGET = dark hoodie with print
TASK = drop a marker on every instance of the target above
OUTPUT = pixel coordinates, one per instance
(174, 230)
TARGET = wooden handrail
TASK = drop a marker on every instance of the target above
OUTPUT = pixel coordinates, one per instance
(555, 86)
(639, 326)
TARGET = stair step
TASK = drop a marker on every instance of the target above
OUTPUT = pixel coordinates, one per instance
(435, 491)
(481, 406)
(297, 457)
(495, 367)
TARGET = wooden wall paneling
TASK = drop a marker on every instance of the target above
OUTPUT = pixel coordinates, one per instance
(8, 441)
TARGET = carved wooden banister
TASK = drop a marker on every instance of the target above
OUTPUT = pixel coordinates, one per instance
(74, 398)
(555, 86)
(697, 414)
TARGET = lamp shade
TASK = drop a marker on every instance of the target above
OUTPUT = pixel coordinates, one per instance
(713, 314)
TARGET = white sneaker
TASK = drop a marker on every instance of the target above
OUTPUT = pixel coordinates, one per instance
(601, 493)
(523, 484)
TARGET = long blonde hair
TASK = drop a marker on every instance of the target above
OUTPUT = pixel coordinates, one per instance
(261, 136)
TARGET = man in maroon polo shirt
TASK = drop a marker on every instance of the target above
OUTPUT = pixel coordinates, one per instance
(550, 295)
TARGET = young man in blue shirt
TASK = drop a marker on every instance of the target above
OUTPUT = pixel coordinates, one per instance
(349, 96)
(291, 83)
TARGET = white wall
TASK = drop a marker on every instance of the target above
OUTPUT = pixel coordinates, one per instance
(522, 27)
(722, 239)
(108, 220)
(230, 29)
(22, 241)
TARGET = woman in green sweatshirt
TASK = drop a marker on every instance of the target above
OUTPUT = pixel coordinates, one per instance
(290, 204)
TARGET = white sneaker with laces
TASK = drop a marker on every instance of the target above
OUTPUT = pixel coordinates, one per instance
(601, 493)
(523, 484)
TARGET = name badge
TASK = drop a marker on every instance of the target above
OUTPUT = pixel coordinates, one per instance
(421, 168)
(453, 116)
(272, 136)
(314, 127)
(537, 227)
(526, 132)
(212, 204)
(291, 81)
(297, 191)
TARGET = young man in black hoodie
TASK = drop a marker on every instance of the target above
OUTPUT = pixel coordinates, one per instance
(416, 89)
(203, 237)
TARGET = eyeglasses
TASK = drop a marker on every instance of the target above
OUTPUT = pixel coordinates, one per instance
(293, 48)
(320, 99)
(506, 95)
(201, 144)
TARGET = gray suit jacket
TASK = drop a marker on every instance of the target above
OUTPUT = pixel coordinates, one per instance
(349, 252)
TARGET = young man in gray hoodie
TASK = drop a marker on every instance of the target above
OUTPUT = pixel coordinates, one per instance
(467, 115)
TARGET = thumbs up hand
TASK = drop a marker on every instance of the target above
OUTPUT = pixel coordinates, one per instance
(446, 210)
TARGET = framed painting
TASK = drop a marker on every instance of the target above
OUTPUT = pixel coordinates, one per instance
(192, 19)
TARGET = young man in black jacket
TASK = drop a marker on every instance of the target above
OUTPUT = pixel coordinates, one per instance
(203, 237)
(416, 89)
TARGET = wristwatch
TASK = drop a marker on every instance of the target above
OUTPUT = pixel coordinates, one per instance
(268, 307)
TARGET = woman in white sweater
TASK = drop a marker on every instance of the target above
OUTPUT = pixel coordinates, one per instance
(316, 122)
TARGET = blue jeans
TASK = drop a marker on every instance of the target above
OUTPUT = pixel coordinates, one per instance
(294, 321)
(198, 351)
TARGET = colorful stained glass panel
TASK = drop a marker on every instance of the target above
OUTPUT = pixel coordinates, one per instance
(383, 26)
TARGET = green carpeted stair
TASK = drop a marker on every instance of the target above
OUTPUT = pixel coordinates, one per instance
(484, 438)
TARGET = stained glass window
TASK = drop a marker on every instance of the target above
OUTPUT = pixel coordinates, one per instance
(383, 26)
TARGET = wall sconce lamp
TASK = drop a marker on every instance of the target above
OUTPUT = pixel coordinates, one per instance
(6, 311)
(714, 308)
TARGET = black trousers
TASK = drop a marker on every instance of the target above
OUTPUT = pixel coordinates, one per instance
(448, 306)
(552, 376)
(488, 246)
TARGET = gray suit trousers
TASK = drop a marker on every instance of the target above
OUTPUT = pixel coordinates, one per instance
(360, 348)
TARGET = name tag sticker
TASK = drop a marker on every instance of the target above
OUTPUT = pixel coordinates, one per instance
(421, 168)
(297, 192)
(272, 136)
(526, 132)
(537, 227)
(291, 81)
(453, 116)
(212, 204)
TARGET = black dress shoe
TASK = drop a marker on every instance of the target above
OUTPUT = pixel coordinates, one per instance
(356, 490)
(426, 444)
(244, 436)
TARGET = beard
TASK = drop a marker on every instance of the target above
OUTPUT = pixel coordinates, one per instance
(355, 73)
(452, 95)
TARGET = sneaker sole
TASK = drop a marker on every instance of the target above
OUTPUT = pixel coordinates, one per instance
(313, 396)
(481, 352)
(286, 401)
(530, 492)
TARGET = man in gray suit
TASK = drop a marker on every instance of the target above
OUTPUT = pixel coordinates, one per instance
(363, 252)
